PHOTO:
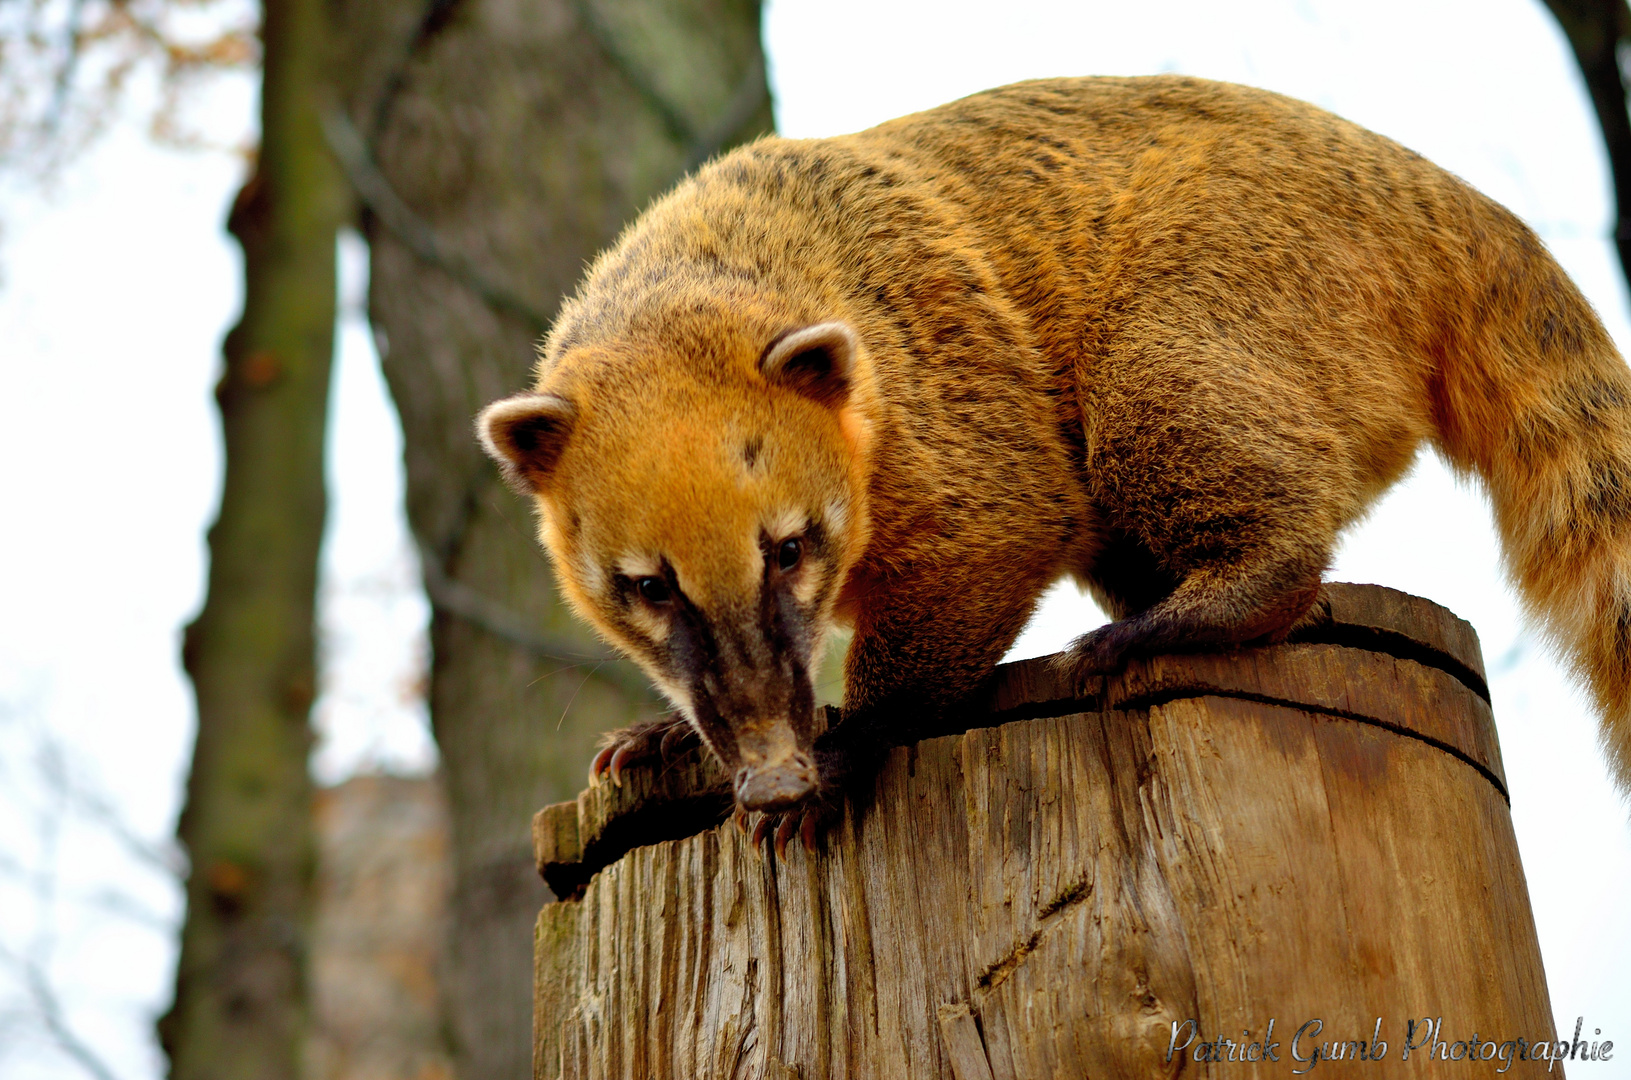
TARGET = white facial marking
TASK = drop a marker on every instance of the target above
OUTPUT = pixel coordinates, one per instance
(785, 523)
(837, 517)
(806, 589)
(639, 565)
(650, 621)
(590, 576)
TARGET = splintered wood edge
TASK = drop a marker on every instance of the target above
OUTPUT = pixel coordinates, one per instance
(964, 1047)
(555, 835)
(574, 840)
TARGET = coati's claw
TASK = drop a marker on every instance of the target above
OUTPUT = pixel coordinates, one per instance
(790, 825)
(762, 829)
(598, 765)
(779, 828)
(677, 740)
(623, 755)
(739, 818)
(664, 739)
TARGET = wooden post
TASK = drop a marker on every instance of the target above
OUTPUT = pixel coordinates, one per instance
(1316, 834)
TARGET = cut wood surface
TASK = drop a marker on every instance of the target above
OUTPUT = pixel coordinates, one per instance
(1315, 833)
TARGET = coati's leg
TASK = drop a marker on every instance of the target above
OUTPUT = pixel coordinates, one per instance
(1222, 477)
(662, 739)
(1125, 577)
(930, 640)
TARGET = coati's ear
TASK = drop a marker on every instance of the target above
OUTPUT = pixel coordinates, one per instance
(817, 361)
(525, 434)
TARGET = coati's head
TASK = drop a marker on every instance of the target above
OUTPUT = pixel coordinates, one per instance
(702, 512)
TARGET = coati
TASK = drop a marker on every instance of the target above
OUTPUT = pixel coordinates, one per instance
(1164, 335)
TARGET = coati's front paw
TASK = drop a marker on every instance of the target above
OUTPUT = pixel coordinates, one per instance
(663, 740)
(807, 822)
(838, 766)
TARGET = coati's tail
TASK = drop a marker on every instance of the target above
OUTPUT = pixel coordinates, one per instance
(1533, 396)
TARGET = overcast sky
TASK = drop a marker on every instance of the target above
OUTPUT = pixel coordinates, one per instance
(119, 285)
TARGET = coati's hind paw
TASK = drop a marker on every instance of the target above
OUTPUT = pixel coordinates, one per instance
(1107, 650)
(806, 822)
(664, 740)
(1101, 652)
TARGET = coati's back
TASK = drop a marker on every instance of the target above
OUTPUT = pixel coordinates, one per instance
(1083, 216)
(1139, 329)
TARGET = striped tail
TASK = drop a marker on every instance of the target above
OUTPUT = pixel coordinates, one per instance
(1531, 394)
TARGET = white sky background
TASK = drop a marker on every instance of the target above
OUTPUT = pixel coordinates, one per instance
(118, 287)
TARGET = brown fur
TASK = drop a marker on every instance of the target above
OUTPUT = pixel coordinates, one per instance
(1165, 335)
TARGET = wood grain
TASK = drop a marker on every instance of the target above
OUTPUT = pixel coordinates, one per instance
(1309, 832)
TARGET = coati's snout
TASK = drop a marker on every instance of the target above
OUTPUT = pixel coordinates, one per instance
(775, 772)
(745, 683)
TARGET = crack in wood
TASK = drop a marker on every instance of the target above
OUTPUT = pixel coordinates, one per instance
(1047, 916)
(1378, 639)
(1168, 696)
(651, 823)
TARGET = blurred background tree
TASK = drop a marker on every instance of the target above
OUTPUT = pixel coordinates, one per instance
(510, 142)
(472, 259)
(1599, 33)
(241, 980)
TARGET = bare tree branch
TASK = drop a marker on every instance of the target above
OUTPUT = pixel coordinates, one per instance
(54, 99)
(356, 158)
(65, 73)
(377, 194)
(452, 596)
(704, 144)
(53, 791)
(76, 795)
(679, 127)
(50, 1012)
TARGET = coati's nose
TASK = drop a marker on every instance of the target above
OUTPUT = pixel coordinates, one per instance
(773, 772)
(779, 786)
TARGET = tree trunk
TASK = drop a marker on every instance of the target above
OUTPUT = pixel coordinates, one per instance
(515, 141)
(240, 1003)
(1598, 32)
(381, 903)
(1099, 879)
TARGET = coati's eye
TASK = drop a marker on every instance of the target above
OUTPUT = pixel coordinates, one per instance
(789, 554)
(653, 590)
